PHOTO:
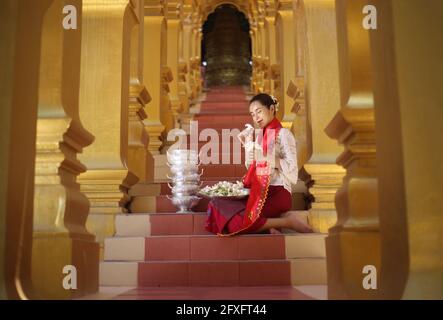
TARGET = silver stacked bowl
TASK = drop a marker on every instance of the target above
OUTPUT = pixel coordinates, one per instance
(185, 178)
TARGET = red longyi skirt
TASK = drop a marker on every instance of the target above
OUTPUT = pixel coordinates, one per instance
(226, 216)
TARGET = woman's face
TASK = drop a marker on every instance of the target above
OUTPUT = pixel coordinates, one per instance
(260, 114)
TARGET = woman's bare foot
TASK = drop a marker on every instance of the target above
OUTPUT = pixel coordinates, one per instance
(274, 231)
(299, 226)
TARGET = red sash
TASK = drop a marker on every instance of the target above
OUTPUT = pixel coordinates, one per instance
(257, 178)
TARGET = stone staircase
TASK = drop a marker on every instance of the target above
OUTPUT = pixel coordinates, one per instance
(155, 247)
(168, 249)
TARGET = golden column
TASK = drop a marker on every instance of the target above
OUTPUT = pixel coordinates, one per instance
(254, 54)
(155, 74)
(60, 237)
(104, 109)
(197, 60)
(262, 43)
(286, 62)
(317, 73)
(20, 34)
(174, 26)
(354, 242)
(254, 23)
(193, 52)
(408, 95)
(260, 46)
(270, 44)
(187, 94)
(188, 10)
(138, 153)
(182, 73)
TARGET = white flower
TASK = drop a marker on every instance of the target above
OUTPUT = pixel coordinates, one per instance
(225, 188)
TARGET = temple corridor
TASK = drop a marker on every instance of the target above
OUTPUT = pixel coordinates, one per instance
(91, 92)
(164, 255)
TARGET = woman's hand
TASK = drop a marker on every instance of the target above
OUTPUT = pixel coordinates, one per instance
(246, 135)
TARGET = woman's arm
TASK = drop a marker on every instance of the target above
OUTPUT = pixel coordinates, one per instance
(288, 156)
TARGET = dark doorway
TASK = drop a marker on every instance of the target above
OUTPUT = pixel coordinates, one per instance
(226, 47)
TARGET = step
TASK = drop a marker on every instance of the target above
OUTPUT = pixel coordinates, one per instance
(211, 247)
(235, 104)
(313, 292)
(222, 118)
(230, 147)
(155, 224)
(216, 111)
(227, 273)
(196, 273)
(163, 204)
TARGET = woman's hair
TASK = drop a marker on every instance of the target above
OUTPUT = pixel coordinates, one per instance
(265, 100)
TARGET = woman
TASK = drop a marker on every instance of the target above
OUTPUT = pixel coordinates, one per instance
(272, 166)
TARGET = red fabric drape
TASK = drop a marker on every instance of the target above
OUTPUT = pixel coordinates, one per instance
(257, 179)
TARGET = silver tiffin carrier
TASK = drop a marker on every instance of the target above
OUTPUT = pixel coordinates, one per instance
(185, 179)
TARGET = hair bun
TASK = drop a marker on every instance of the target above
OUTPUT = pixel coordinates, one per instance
(275, 101)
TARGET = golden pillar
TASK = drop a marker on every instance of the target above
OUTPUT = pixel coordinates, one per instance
(408, 95)
(188, 9)
(193, 64)
(254, 54)
(317, 73)
(261, 59)
(187, 96)
(154, 71)
(197, 65)
(197, 54)
(192, 49)
(270, 45)
(286, 62)
(138, 153)
(354, 242)
(60, 237)
(174, 26)
(104, 109)
(20, 34)
(182, 74)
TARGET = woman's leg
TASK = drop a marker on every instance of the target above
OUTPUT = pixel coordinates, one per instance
(280, 201)
(288, 222)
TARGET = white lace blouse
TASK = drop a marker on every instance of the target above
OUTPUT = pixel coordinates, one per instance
(286, 154)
